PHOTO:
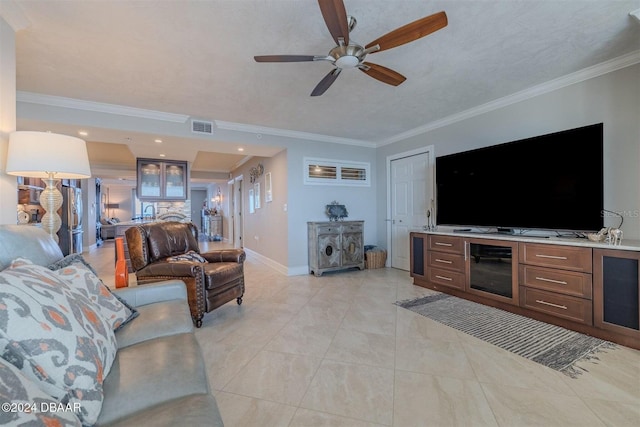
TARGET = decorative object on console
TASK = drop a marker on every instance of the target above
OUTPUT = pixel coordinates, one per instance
(336, 212)
(612, 236)
(615, 236)
(51, 157)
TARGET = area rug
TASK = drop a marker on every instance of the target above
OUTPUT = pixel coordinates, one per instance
(552, 346)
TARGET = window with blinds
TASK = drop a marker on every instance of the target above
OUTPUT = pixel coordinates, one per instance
(335, 172)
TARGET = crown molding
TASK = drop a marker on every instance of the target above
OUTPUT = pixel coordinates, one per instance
(13, 14)
(99, 107)
(559, 83)
(564, 81)
(263, 130)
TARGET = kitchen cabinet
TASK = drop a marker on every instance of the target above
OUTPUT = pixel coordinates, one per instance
(162, 180)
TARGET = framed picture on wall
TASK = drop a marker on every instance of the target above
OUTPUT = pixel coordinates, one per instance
(251, 201)
(256, 192)
(268, 190)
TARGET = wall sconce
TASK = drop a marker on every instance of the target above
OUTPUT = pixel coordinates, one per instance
(218, 198)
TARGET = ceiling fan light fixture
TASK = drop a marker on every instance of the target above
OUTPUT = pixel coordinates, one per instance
(347, 61)
(348, 54)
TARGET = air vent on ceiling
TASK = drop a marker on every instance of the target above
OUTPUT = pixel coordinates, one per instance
(201, 126)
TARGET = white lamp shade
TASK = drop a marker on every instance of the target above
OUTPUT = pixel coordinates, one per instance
(36, 154)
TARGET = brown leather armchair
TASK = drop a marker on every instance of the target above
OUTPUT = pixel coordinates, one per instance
(153, 248)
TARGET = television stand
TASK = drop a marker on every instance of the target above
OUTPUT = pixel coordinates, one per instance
(588, 287)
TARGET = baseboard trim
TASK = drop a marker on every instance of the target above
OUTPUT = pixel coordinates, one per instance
(287, 271)
(267, 261)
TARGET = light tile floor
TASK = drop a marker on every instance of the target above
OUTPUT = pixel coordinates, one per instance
(335, 351)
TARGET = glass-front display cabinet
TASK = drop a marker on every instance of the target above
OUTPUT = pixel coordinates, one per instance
(162, 179)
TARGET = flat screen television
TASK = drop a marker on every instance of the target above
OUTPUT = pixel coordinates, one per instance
(550, 182)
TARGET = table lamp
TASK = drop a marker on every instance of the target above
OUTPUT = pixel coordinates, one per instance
(51, 157)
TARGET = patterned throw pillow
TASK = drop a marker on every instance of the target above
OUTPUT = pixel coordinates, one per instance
(71, 259)
(55, 337)
(83, 279)
(189, 256)
(24, 404)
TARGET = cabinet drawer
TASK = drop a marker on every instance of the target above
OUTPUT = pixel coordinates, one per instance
(447, 261)
(447, 278)
(561, 281)
(328, 229)
(351, 228)
(565, 306)
(565, 257)
(449, 244)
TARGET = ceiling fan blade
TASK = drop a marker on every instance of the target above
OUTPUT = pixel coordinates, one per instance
(384, 74)
(284, 58)
(410, 32)
(335, 16)
(326, 82)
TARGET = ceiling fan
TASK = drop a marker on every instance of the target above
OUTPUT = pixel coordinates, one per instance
(348, 54)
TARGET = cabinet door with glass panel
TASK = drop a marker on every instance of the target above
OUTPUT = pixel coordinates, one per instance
(162, 180)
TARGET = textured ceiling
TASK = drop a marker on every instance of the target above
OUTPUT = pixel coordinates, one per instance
(196, 57)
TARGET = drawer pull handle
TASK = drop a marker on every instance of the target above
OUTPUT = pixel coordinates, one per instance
(539, 301)
(444, 278)
(443, 244)
(551, 256)
(544, 279)
(444, 261)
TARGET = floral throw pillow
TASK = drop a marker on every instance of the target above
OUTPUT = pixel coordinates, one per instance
(189, 256)
(83, 279)
(55, 337)
(24, 404)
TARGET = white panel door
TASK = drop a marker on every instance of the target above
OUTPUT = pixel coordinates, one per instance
(411, 194)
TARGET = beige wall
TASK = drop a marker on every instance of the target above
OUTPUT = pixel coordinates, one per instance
(265, 230)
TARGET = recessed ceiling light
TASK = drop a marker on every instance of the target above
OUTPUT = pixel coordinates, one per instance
(240, 149)
(163, 155)
(159, 141)
(83, 133)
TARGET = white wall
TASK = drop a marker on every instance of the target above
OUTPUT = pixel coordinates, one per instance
(8, 187)
(613, 99)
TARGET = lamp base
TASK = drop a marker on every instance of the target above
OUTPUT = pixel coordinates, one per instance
(51, 201)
